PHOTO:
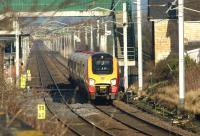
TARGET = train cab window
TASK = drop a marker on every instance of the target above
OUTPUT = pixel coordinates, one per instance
(102, 64)
(78, 69)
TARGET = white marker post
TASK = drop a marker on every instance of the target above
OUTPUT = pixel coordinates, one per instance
(125, 22)
(65, 44)
(181, 53)
(57, 40)
(86, 36)
(140, 57)
(98, 37)
(17, 52)
(74, 49)
(106, 30)
(91, 42)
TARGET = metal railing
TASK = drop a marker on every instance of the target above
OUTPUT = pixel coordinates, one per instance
(132, 54)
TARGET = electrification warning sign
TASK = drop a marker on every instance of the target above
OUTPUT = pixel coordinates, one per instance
(28, 72)
(41, 111)
(23, 81)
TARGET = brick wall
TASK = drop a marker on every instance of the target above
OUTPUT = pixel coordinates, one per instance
(166, 37)
(192, 31)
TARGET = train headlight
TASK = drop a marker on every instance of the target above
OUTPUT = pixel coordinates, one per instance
(113, 82)
(91, 82)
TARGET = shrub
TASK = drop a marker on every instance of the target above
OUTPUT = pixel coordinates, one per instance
(168, 69)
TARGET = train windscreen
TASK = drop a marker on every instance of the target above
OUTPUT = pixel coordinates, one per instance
(102, 64)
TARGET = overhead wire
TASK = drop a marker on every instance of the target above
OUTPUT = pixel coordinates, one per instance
(144, 9)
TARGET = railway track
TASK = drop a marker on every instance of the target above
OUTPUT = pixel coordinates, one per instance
(55, 70)
(134, 122)
(127, 119)
(33, 66)
(43, 72)
(81, 126)
(74, 107)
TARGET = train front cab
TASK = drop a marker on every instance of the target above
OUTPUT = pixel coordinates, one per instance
(103, 76)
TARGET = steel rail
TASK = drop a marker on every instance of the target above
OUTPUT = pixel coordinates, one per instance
(129, 114)
(129, 126)
(149, 123)
(139, 130)
(68, 106)
(168, 132)
(66, 125)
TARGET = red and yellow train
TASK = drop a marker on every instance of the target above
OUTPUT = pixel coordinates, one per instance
(97, 72)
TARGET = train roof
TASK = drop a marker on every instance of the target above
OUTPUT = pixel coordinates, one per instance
(101, 53)
(89, 53)
(82, 56)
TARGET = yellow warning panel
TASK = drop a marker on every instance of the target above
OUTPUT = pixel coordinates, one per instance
(28, 73)
(1, 113)
(23, 81)
(41, 111)
(28, 133)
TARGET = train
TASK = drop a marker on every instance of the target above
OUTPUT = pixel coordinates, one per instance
(96, 72)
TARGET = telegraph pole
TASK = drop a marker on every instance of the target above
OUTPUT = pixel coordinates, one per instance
(60, 45)
(86, 36)
(56, 43)
(98, 37)
(64, 43)
(74, 42)
(91, 42)
(181, 53)
(17, 52)
(125, 23)
(139, 33)
(70, 44)
(106, 30)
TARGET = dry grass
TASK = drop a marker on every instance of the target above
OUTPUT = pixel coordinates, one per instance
(164, 88)
(167, 95)
(192, 101)
(10, 103)
(193, 78)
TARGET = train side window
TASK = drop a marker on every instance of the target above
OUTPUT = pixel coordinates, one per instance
(69, 64)
(83, 69)
(79, 69)
(74, 66)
